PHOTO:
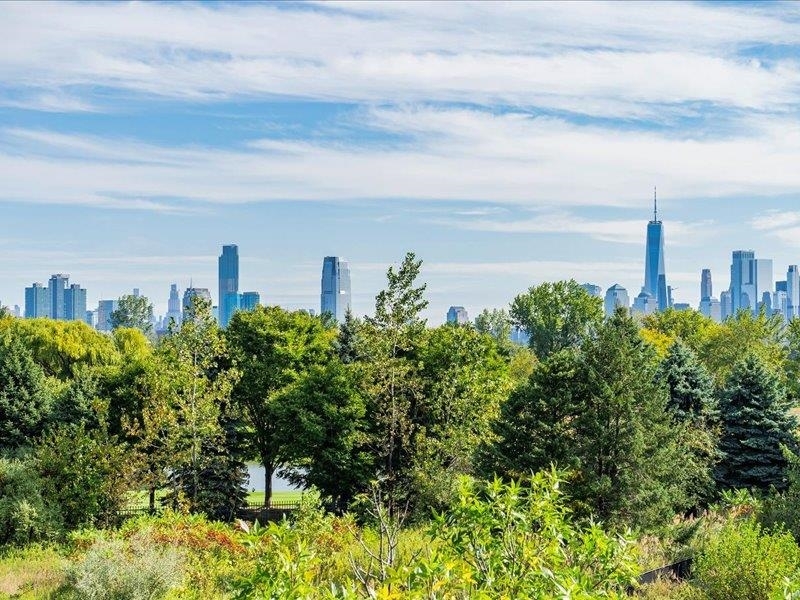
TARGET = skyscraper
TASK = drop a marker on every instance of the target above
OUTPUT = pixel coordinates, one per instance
(655, 279)
(55, 295)
(104, 310)
(228, 283)
(593, 290)
(457, 315)
(36, 304)
(173, 307)
(725, 305)
(335, 284)
(706, 290)
(249, 300)
(793, 292)
(75, 303)
(743, 293)
(616, 296)
(188, 296)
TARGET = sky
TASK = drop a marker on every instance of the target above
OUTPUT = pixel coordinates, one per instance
(505, 144)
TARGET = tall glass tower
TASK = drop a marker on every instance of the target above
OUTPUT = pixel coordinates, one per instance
(228, 283)
(335, 296)
(655, 279)
(55, 295)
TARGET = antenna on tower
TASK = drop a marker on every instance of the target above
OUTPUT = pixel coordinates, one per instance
(655, 205)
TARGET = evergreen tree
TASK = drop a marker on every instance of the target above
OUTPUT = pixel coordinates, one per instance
(756, 425)
(692, 404)
(691, 390)
(25, 399)
(601, 414)
(536, 427)
(632, 458)
(348, 342)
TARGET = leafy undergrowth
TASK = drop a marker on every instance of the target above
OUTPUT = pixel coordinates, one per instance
(32, 572)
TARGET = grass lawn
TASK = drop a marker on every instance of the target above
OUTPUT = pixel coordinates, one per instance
(284, 496)
(141, 499)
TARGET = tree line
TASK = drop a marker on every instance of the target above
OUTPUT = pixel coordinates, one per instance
(644, 418)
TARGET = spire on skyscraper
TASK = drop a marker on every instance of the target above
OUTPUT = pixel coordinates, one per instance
(655, 205)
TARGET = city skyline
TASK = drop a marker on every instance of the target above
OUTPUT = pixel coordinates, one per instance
(504, 145)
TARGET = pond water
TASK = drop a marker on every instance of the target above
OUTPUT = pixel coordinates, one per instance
(256, 483)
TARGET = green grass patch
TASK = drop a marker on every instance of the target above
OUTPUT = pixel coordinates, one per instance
(141, 499)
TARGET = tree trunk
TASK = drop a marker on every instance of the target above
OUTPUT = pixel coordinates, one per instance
(268, 471)
(152, 500)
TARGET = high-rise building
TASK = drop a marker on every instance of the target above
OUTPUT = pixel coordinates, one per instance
(616, 296)
(104, 310)
(706, 290)
(174, 311)
(644, 304)
(793, 291)
(725, 305)
(457, 315)
(75, 303)
(36, 302)
(228, 283)
(593, 290)
(91, 318)
(335, 284)
(655, 279)
(189, 295)
(55, 295)
(249, 301)
(750, 279)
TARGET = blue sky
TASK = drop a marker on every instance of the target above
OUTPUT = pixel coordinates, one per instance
(505, 144)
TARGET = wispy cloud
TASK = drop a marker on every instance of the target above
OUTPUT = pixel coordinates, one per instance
(622, 60)
(453, 154)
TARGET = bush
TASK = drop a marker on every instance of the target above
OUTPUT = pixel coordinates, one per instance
(744, 562)
(24, 515)
(86, 474)
(136, 570)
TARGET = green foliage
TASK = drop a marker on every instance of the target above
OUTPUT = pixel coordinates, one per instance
(556, 316)
(516, 541)
(186, 397)
(496, 323)
(26, 515)
(25, 399)
(393, 382)
(691, 390)
(632, 455)
(465, 380)
(134, 312)
(743, 562)
(536, 427)
(756, 425)
(272, 348)
(600, 414)
(324, 410)
(126, 570)
(740, 336)
(692, 403)
(62, 347)
(86, 474)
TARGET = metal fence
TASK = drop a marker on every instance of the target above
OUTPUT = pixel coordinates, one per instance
(250, 511)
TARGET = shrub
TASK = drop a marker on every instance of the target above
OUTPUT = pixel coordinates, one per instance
(133, 570)
(85, 473)
(24, 514)
(744, 562)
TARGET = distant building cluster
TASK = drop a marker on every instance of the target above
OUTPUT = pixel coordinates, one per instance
(60, 300)
(752, 287)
